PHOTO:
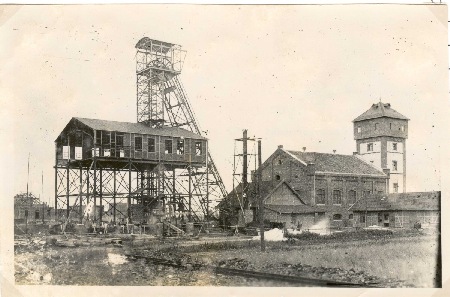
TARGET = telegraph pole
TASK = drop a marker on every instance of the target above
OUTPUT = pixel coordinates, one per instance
(260, 199)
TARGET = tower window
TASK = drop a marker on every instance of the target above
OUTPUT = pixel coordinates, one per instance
(279, 162)
(394, 146)
(394, 165)
(359, 129)
(395, 186)
(370, 147)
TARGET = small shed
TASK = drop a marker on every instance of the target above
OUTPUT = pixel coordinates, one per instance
(399, 210)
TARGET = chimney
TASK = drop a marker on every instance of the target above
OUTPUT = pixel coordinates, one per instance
(280, 146)
(304, 149)
(334, 151)
(387, 171)
(311, 168)
(355, 153)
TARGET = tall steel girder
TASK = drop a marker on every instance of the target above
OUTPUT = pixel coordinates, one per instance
(109, 184)
(79, 183)
(162, 100)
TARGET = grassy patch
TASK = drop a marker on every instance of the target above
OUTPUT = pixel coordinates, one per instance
(412, 259)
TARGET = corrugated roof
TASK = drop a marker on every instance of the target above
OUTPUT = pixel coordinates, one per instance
(399, 201)
(379, 110)
(335, 163)
(138, 128)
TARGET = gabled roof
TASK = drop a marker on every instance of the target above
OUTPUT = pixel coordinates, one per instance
(399, 201)
(337, 164)
(379, 110)
(271, 191)
(138, 128)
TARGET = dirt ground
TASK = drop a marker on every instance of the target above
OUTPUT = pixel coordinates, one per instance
(100, 262)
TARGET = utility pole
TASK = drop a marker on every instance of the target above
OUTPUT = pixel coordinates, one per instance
(28, 197)
(260, 199)
(244, 171)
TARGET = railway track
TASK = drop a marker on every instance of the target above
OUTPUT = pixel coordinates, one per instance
(295, 280)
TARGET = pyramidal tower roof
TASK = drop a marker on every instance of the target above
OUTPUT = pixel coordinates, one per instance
(379, 110)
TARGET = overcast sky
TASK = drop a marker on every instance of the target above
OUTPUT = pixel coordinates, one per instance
(292, 75)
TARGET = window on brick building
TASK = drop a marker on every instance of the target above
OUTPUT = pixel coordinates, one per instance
(351, 197)
(320, 196)
(277, 177)
(366, 193)
(359, 129)
(362, 218)
(394, 146)
(279, 162)
(402, 128)
(337, 197)
(376, 126)
(350, 216)
(337, 217)
(390, 126)
(370, 147)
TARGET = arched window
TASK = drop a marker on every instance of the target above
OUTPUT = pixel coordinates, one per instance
(279, 162)
(337, 217)
(351, 197)
(337, 197)
(320, 196)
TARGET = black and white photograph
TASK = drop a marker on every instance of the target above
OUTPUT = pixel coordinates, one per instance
(169, 148)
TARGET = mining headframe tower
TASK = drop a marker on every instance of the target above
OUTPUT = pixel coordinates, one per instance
(156, 170)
